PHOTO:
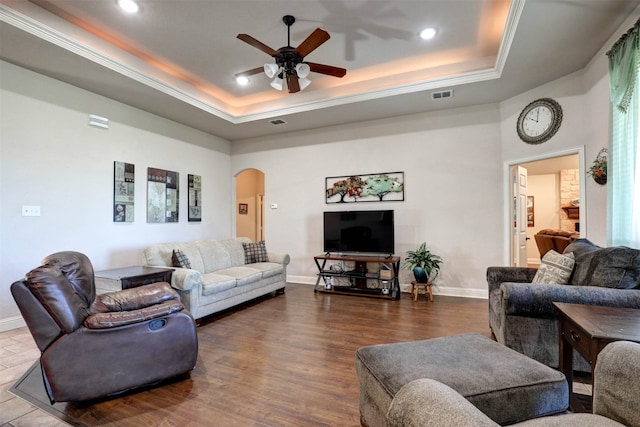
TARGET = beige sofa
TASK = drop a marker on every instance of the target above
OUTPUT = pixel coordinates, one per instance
(219, 278)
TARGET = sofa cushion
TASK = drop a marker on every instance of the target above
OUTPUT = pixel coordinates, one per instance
(180, 259)
(255, 252)
(243, 275)
(212, 283)
(613, 267)
(269, 269)
(555, 268)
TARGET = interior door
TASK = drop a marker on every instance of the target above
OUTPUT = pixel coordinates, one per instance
(519, 237)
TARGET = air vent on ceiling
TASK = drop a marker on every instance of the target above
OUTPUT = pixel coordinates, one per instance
(277, 122)
(442, 94)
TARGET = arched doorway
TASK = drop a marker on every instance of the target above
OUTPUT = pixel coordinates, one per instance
(250, 204)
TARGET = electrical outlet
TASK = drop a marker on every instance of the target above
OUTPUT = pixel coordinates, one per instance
(30, 210)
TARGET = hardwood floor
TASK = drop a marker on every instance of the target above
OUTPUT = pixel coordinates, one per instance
(286, 360)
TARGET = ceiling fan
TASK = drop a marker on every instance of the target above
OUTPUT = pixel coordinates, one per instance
(289, 62)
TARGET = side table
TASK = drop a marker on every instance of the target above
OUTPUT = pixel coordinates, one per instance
(588, 329)
(130, 277)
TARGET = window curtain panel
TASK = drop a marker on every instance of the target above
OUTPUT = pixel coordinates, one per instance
(623, 172)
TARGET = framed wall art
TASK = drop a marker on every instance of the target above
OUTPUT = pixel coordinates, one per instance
(378, 187)
(530, 213)
(123, 192)
(195, 198)
(243, 208)
(162, 195)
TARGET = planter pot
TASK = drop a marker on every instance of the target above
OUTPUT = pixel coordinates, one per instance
(421, 275)
(602, 180)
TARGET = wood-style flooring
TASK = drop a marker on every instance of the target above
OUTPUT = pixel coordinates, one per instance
(285, 360)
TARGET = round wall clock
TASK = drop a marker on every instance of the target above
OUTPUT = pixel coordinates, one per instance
(539, 121)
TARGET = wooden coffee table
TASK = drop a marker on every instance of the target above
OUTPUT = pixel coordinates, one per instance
(589, 328)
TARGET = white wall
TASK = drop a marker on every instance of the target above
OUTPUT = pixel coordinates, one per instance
(453, 191)
(51, 157)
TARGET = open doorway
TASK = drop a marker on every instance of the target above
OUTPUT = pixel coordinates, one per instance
(250, 204)
(551, 199)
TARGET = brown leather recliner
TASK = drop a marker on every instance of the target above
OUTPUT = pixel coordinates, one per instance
(558, 240)
(94, 346)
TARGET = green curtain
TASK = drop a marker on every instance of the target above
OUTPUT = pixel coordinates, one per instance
(623, 173)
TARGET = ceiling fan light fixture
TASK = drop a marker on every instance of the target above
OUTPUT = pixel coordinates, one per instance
(277, 83)
(129, 6)
(271, 69)
(303, 70)
(242, 80)
(428, 33)
(304, 82)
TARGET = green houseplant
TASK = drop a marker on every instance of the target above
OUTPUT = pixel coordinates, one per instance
(424, 264)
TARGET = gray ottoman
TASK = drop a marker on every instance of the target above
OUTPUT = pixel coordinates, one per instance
(504, 384)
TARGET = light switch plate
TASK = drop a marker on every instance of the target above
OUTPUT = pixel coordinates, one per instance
(30, 210)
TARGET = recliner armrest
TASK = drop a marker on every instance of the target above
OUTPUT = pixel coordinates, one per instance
(133, 298)
(121, 318)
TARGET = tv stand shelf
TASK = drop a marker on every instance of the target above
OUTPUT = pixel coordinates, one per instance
(357, 280)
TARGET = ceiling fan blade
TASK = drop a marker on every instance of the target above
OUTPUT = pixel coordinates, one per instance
(292, 83)
(250, 72)
(327, 69)
(314, 40)
(257, 44)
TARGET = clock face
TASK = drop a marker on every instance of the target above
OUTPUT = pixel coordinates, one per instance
(539, 121)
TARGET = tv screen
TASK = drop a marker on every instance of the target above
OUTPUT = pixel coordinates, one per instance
(359, 231)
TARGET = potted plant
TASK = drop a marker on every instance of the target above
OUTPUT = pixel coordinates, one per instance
(598, 170)
(424, 264)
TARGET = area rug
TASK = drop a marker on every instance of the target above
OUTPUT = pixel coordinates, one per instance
(30, 387)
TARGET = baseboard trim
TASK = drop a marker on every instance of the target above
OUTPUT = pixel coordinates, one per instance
(10, 323)
(406, 288)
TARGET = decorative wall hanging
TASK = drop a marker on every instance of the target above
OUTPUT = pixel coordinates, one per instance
(162, 195)
(195, 198)
(123, 191)
(243, 208)
(598, 170)
(379, 187)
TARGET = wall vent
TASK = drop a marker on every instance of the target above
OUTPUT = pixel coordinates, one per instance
(442, 94)
(101, 122)
(277, 122)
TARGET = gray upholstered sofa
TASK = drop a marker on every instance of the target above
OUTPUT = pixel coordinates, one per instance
(219, 276)
(616, 398)
(521, 314)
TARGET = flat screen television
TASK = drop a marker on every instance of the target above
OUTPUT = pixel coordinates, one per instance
(359, 231)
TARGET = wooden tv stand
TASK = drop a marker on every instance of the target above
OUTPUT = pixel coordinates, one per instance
(349, 275)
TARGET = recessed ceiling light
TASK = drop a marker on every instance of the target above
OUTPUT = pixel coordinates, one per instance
(129, 6)
(428, 33)
(242, 80)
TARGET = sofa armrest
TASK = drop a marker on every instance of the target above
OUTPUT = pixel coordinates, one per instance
(426, 402)
(616, 392)
(535, 299)
(279, 258)
(497, 275)
(186, 279)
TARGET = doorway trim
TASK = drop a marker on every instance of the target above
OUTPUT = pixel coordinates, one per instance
(508, 193)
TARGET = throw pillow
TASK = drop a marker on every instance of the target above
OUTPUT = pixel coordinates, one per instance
(179, 259)
(255, 252)
(555, 268)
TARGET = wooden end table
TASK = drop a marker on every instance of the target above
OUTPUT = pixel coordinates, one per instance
(130, 277)
(588, 329)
